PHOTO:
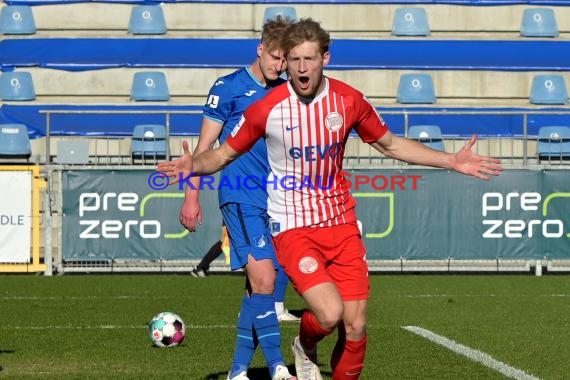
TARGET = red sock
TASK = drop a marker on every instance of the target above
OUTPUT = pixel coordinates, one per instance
(348, 359)
(311, 332)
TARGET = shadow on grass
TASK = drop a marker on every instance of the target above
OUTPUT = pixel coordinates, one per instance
(256, 373)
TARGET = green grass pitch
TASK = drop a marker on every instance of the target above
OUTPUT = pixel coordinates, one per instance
(95, 326)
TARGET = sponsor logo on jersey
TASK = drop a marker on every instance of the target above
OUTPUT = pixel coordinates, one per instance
(314, 152)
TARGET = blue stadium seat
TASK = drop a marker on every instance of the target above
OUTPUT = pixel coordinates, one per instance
(150, 86)
(416, 88)
(272, 13)
(548, 89)
(17, 19)
(149, 141)
(539, 22)
(17, 85)
(554, 142)
(147, 19)
(429, 135)
(410, 22)
(14, 140)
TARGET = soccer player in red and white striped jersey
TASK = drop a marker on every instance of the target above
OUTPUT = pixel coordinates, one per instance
(306, 123)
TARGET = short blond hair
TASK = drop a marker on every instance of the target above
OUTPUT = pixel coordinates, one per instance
(273, 32)
(305, 30)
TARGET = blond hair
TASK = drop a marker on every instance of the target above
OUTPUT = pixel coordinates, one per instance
(305, 30)
(273, 31)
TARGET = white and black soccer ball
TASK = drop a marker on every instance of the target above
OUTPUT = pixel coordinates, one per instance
(166, 329)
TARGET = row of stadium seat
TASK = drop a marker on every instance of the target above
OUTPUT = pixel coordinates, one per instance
(413, 88)
(146, 86)
(404, 20)
(144, 19)
(407, 21)
(149, 143)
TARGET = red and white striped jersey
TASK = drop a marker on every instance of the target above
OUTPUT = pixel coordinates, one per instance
(305, 146)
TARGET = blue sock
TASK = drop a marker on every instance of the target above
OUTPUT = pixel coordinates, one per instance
(267, 328)
(246, 341)
(281, 282)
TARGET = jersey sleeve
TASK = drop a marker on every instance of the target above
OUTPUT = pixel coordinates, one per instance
(249, 129)
(370, 126)
(218, 105)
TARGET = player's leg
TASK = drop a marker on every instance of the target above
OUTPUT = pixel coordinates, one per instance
(350, 273)
(261, 275)
(281, 283)
(348, 355)
(246, 341)
(252, 249)
(299, 251)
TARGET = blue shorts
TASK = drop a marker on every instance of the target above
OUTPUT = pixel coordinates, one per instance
(248, 228)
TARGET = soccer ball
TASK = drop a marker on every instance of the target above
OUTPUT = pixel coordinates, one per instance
(166, 330)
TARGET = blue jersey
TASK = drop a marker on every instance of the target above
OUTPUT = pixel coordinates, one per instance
(228, 99)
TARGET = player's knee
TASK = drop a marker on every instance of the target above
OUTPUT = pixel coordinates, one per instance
(262, 285)
(355, 329)
(331, 316)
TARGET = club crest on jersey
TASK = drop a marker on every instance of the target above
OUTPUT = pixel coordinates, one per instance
(334, 121)
(308, 265)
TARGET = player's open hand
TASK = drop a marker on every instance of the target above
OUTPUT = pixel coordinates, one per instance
(470, 163)
(179, 168)
(190, 213)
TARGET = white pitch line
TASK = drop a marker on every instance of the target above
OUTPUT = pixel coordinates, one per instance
(475, 355)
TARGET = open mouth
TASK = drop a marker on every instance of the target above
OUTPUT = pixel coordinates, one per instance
(304, 81)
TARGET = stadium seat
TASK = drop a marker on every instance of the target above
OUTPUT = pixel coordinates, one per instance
(17, 85)
(548, 89)
(147, 19)
(272, 13)
(539, 22)
(150, 86)
(14, 140)
(17, 19)
(416, 88)
(149, 141)
(410, 22)
(429, 135)
(554, 142)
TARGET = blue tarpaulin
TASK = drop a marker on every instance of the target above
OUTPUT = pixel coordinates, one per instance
(77, 54)
(104, 120)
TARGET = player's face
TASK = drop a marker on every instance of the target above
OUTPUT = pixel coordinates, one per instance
(305, 68)
(272, 64)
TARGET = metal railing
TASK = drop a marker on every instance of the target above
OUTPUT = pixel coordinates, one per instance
(520, 134)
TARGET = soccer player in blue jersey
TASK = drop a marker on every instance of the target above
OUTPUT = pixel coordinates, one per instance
(244, 209)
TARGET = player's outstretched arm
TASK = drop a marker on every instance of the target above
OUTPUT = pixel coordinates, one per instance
(465, 161)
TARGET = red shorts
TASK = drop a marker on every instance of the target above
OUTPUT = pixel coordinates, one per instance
(312, 256)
